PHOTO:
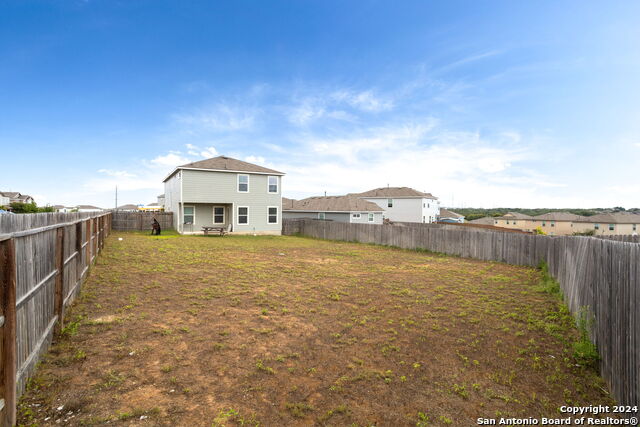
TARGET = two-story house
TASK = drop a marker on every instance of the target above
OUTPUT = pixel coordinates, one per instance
(404, 204)
(239, 196)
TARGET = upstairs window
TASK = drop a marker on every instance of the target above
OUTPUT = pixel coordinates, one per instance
(514, 223)
(371, 217)
(320, 215)
(188, 214)
(273, 184)
(634, 227)
(553, 223)
(272, 215)
(389, 203)
(243, 215)
(612, 227)
(356, 216)
(243, 183)
(596, 226)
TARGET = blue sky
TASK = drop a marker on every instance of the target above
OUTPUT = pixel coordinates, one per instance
(482, 103)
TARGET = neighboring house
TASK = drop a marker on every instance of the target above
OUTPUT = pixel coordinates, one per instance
(128, 208)
(515, 220)
(608, 224)
(403, 204)
(88, 208)
(15, 197)
(449, 216)
(240, 196)
(333, 208)
(4, 200)
(556, 223)
(161, 200)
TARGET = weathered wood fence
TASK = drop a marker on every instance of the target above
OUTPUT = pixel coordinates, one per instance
(44, 258)
(601, 274)
(141, 221)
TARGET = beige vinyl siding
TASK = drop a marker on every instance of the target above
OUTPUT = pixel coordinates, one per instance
(210, 187)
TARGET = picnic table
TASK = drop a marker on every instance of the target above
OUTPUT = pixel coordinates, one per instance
(216, 230)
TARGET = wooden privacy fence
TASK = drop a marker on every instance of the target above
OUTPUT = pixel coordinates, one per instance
(601, 274)
(141, 221)
(44, 258)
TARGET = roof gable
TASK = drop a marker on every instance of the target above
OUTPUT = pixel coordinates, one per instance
(226, 164)
(397, 192)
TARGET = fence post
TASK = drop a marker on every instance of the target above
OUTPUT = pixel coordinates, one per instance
(8, 303)
(79, 251)
(87, 248)
(59, 297)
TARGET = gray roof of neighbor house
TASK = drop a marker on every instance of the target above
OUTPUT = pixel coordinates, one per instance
(559, 216)
(397, 192)
(446, 213)
(487, 220)
(226, 164)
(129, 207)
(515, 215)
(613, 218)
(9, 194)
(87, 207)
(330, 204)
(14, 195)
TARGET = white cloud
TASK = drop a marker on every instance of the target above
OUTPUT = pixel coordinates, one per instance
(366, 100)
(209, 152)
(255, 159)
(171, 160)
(219, 118)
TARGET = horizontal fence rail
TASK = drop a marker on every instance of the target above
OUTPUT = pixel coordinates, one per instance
(601, 274)
(44, 259)
(141, 221)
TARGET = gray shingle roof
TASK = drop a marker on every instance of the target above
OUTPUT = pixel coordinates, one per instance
(613, 218)
(397, 192)
(515, 215)
(223, 163)
(487, 220)
(559, 216)
(446, 213)
(330, 204)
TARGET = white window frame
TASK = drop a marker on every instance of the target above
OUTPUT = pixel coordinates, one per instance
(389, 203)
(277, 214)
(324, 216)
(194, 214)
(248, 183)
(238, 215)
(371, 218)
(277, 184)
(356, 215)
(224, 214)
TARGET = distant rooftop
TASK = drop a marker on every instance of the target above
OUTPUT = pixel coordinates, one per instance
(330, 204)
(446, 213)
(397, 192)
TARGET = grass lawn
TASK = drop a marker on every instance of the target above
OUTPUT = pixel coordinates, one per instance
(273, 331)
